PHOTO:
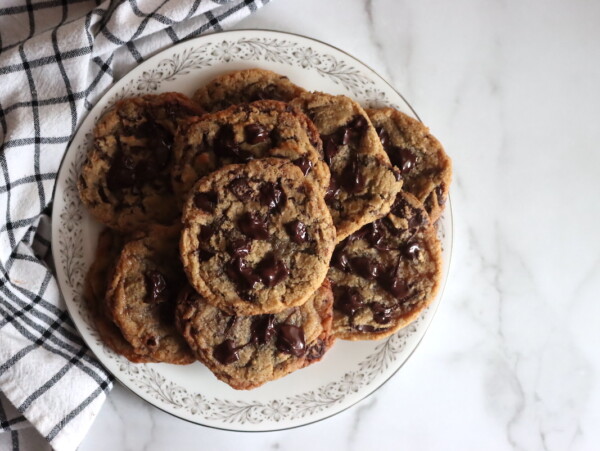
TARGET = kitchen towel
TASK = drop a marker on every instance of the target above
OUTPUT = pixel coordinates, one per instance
(57, 58)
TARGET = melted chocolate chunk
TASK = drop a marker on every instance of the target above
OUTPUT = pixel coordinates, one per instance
(411, 250)
(316, 351)
(376, 235)
(255, 133)
(403, 158)
(272, 195)
(226, 353)
(156, 285)
(304, 164)
(241, 274)
(145, 130)
(240, 247)
(365, 267)
(381, 313)
(330, 147)
(339, 259)
(262, 329)
(121, 173)
(353, 179)
(152, 341)
(230, 323)
(205, 256)
(253, 225)
(348, 300)
(272, 270)
(224, 143)
(206, 233)
(297, 231)
(417, 219)
(206, 201)
(394, 285)
(359, 124)
(332, 191)
(241, 189)
(439, 192)
(290, 340)
(384, 137)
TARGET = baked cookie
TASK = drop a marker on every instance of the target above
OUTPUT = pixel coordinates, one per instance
(425, 167)
(107, 252)
(257, 237)
(245, 86)
(363, 183)
(247, 351)
(142, 293)
(266, 128)
(125, 181)
(386, 273)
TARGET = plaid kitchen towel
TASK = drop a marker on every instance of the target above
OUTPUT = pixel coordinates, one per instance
(57, 57)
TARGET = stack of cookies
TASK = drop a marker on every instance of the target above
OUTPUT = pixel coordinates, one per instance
(251, 226)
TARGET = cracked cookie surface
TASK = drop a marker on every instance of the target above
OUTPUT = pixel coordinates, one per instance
(257, 237)
(142, 294)
(245, 132)
(363, 184)
(125, 181)
(425, 167)
(245, 86)
(386, 273)
(247, 351)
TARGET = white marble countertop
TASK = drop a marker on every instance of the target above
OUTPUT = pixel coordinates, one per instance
(511, 359)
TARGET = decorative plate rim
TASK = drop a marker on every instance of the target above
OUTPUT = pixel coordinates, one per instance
(117, 91)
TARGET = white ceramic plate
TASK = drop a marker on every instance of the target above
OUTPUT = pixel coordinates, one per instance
(351, 370)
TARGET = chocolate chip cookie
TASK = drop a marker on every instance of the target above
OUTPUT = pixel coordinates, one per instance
(363, 183)
(386, 273)
(247, 351)
(245, 86)
(425, 167)
(257, 237)
(107, 252)
(266, 128)
(125, 181)
(142, 294)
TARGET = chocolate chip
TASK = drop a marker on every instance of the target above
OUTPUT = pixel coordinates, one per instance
(272, 270)
(403, 158)
(348, 300)
(394, 285)
(297, 231)
(241, 189)
(224, 143)
(206, 201)
(121, 173)
(330, 147)
(365, 267)
(397, 173)
(241, 274)
(253, 225)
(272, 195)
(152, 342)
(353, 179)
(366, 328)
(384, 137)
(262, 329)
(439, 192)
(376, 235)
(226, 353)
(332, 191)
(339, 260)
(411, 250)
(381, 313)
(304, 164)
(230, 323)
(417, 219)
(240, 247)
(145, 130)
(155, 285)
(359, 124)
(205, 256)
(290, 340)
(206, 233)
(255, 133)
(316, 351)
